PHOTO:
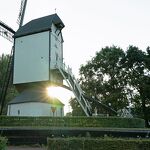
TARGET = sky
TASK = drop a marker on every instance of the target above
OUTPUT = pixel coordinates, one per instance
(89, 24)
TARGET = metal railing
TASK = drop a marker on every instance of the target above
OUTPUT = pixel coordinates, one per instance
(67, 74)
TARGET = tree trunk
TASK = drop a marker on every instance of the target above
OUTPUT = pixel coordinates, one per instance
(144, 108)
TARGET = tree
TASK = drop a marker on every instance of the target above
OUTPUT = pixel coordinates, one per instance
(3, 67)
(120, 78)
(76, 108)
(11, 92)
(104, 77)
(137, 66)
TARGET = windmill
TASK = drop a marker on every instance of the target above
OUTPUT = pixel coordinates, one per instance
(38, 62)
(8, 33)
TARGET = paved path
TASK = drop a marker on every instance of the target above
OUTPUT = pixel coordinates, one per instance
(24, 148)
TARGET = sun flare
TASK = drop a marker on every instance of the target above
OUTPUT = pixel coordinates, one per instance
(53, 91)
(61, 93)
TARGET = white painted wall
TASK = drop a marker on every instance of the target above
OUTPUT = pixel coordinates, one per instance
(36, 54)
(34, 109)
(56, 51)
(31, 59)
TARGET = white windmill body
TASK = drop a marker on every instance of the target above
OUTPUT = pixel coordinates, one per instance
(38, 50)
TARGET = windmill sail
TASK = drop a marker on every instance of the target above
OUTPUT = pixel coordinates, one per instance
(21, 13)
(6, 31)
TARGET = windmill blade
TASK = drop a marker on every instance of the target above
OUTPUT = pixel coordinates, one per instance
(21, 12)
(6, 31)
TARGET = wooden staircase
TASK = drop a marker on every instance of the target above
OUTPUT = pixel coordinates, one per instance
(67, 74)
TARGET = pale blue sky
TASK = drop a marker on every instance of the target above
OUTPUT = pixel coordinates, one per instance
(89, 24)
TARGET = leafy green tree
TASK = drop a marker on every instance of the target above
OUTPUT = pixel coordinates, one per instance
(105, 78)
(11, 92)
(137, 66)
(120, 78)
(3, 67)
(76, 108)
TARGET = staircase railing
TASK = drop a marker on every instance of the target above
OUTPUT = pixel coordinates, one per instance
(67, 74)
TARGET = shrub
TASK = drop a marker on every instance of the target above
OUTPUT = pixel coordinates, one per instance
(97, 144)
(3, 142)
(57, 144)
(73, 122)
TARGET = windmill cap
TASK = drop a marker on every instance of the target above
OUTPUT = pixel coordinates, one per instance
(40, 25)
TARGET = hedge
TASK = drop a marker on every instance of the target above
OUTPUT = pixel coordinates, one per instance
(3, 142)
(97, 144)
(113, 122)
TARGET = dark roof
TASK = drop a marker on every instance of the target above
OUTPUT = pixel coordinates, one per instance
(40, 25)
(35, 95)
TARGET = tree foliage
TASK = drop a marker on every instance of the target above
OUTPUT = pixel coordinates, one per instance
(11, 92)
(3, 67)
(104, 77)
(76, 108)
(119, 78)
(138, 70)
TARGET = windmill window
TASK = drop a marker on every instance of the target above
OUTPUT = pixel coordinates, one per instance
(56, 57)
(18, 112)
